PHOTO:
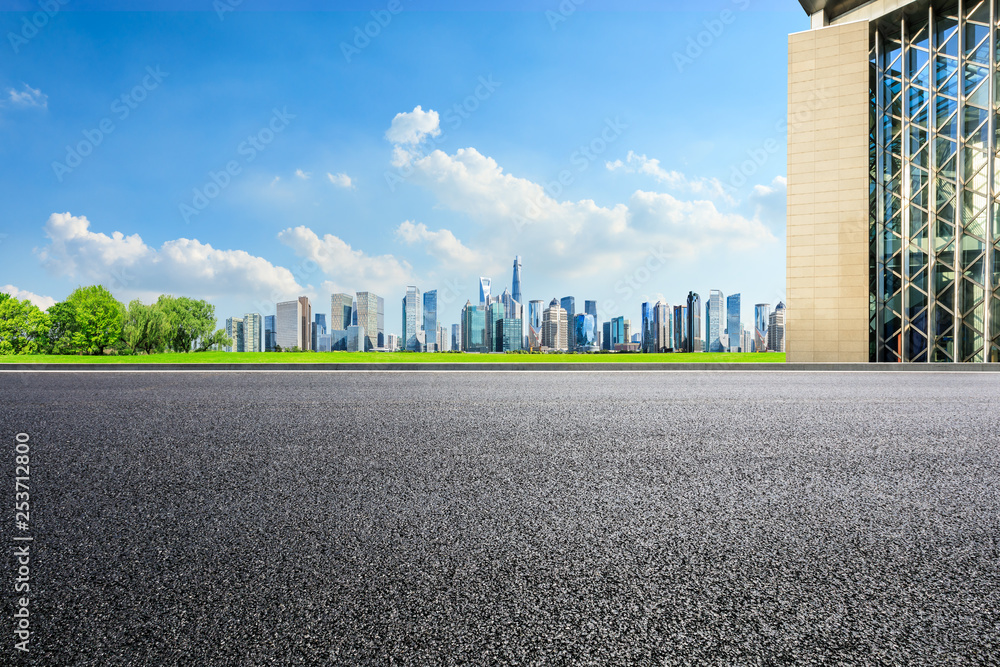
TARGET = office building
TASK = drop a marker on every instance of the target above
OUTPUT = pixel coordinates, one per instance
(413, 320)
(535, 310)
(695, 334)
(568, 304)
(734, 322)
(776, 329)
(430, 324)
(357, 340)
(474, 328)
(585, 326)
(340, 311)
(391, 342)
(715, 321)
(555, 325)
(456, 336)
(270, 333)
(370, 316)
(318, 329)
(680, 329)
(606, 336)
(234, 330)
(338, 339)
(507, 335)
(252, 332)
(648, 330)
(294, 324)
(761, 311)
(663, 326)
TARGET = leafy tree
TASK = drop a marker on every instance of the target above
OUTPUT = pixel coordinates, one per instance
(87, 322)
(23, 327)
(219, 338)
(187, 320)
(144, 328)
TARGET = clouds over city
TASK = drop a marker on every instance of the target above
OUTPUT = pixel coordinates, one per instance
(131, 268)
(513, 212)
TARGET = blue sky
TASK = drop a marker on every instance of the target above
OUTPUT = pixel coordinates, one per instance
(250, 156)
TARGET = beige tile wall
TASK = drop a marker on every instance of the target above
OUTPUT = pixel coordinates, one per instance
(827, 262)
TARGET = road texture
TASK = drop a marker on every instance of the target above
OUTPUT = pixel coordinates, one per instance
(682, 518)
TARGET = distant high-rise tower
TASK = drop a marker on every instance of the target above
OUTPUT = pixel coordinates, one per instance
(776, 329)
(648, 327)
(236, 332)
(340, 311)
(695, 340)
(734, 326)
(413, 320)
(663, 324)
(252, 329)
(270, 333)
(294, 322)
(568, 304)
(473, 328)
(761, 311)
(554, 327)
(484, 292)
(715, 318)
(370, 315)
(431, 343)
(515, 286)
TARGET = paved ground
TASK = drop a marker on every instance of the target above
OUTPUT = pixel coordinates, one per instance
(587, 518)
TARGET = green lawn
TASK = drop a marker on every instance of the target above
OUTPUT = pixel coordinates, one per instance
(389, 358)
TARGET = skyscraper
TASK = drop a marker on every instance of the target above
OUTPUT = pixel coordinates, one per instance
(413, 320)
(516, 282)
(535, 309)
(715, 320)
(473, 328)
(680, 329)
(270, 333)
(568, 304)
(484, 292)
(694, 330)
(619, 335)
(430, 324)
(648, 327)
(507, 335)
(586, 332)
(294, 324)
(371, 317)
(554, 327)
(235, 331)
(663, 324)
(252, 329)
(494, 313)
(776, 329)
(318, 329)
(340, 311)
(606, 337)
(734, 326)
(456, 336)
(761, 311)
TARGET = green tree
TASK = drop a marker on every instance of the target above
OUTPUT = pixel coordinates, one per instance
(87, 322)
(144, 328)
(187, 320)
(219, 338)
(23, 327)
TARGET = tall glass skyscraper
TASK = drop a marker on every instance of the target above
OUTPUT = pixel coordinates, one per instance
(515, 286)
(413, 320)
(648, 327)
(663, 324)
(761, 311)
(430, 323)
(270, 333)
(715, 320)
(484, 292)
(586, 332)
(568, 304)
(235, 331)
(474, 328)
(618, 334)
(535, 310)
(340, 311)
(252, 330)
(680, 329)
(734, 328)
(371, 317)
(695, 340)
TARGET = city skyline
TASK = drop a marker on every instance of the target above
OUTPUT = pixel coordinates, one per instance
(434, 181)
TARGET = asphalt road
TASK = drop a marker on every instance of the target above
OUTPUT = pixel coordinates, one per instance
(528, 518)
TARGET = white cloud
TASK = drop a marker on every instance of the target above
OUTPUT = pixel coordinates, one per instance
(131, 269)
(275, 181)
(341, 180)
(441, 244)
(350, 270)
(302, 174)
(412, 127)
(29, 97)
(43, 302)
(674, 180)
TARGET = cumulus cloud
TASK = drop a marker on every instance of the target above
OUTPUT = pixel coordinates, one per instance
(28, 97)
(302, 174)
(341, 180)
(43, 302)
(349, 269)
(131, 268)
(412, 127)
(441, 244)
(674, 180)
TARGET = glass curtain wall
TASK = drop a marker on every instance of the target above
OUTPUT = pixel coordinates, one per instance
(934, 240)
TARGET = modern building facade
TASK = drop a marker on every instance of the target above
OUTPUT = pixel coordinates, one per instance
(695, 340)
(515, 285)
(430, 323)
(473, 328)
(235, 332)
(555, 325)
(734, 322)
(680, 329)
(585, 332)
(715, 327)
(253, 328)
(663, 321)
(568, 304)
(370, 316)
(340, 311)
(776, 329)
(413, 320)
(294, 324)
(270, 332)
(761, 312)
(484, 292)
(507, 335)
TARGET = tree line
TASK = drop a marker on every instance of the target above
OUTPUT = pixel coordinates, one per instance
(92, 321)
